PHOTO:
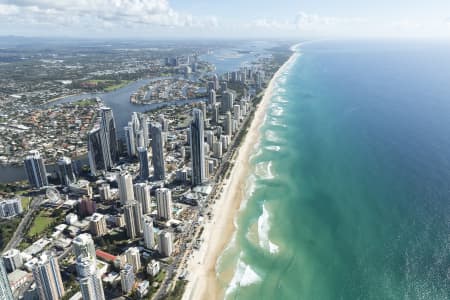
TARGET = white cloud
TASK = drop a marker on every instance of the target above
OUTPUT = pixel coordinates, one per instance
(119, 12)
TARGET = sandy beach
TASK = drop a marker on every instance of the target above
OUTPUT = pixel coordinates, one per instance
(203, 283)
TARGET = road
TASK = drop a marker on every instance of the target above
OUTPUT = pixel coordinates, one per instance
(18, 234)
(174, 269)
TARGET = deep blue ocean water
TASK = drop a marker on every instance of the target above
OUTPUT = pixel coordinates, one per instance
(350, 192)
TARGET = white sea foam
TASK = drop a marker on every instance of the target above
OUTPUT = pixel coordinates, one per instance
(243, 276)
(263, 232)
(279, 99)
(277, 123)
(264, 170)
(277, 111)
(273, 148)
(271, 136)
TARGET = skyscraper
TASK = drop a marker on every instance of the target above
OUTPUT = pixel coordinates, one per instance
(95, 152)
(228, 124)
(108, 127)
(133, 258)
(65, 171)
(90, 282)
(165, 243)
(142, 195)
(158, 152)
(133, 219)
(145, 130)
(48, 278)
(5, 288)
(12, 260)
(149, 235)
(127, 278)
(83, 244)
(197, 148)
(164, 203)
(130, 140)
(227, 101)
(144, 171)
(212, 98)
(35, 169)
(97, 225)
(125, 183)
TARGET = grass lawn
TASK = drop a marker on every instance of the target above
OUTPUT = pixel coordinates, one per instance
(117, 86)
(25, 202)
(40, 223)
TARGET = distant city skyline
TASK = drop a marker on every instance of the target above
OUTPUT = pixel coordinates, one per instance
(158, 19)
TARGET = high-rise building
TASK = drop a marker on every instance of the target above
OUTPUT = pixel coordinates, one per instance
(109, 134)
(217, 149)
(129, 140)
(90, 282)
(12, 260)
(212, 97)
(125, 183)
(140, 141)
(145, 130)
(48, 278)
(165, 243)
(237, 112)
(87, 206)
(215, 113)
(65, 171)
(10, 207)
(133, 258)
(158, 152)
(227, 101)
(133, 219)
(215, 79)
(149, 235)
(35, 169)
(95, 152)
(144, 170)
(210, 138)
(164, 123)
(142, 195)
(5, 288)
(164, 203)
(197, 148)
(105, 192)
(127, 278)
(97, 225)
(83, 244)
(228, 124)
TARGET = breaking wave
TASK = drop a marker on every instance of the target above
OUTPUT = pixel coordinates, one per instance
(263, 232)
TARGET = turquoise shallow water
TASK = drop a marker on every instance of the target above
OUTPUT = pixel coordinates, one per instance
(350, 193)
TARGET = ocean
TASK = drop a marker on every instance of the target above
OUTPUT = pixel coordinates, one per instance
(349, 196)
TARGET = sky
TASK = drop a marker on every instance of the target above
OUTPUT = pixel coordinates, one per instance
(166, 19)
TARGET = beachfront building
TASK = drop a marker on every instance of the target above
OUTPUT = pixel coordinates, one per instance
(129, 140)
(47, 277)
(165, 243)
(159, 172)
(5, 288)
(197, 148)
(35, 170)
(164, 203)
(109, 135)
(228, 124)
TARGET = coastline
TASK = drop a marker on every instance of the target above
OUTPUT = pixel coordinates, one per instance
(203, 283)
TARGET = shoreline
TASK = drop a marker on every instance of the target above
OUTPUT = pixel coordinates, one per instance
(202, 278)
